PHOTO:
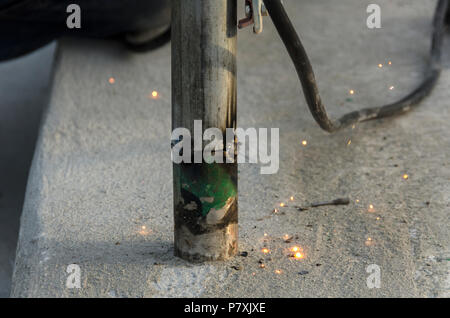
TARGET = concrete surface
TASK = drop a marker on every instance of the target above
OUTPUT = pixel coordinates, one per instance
(24, 89)
(102, 170)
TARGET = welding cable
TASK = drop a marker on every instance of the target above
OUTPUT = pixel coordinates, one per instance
(306, 74)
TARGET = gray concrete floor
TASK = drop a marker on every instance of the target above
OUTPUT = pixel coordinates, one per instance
(102, 169)
(24, 88)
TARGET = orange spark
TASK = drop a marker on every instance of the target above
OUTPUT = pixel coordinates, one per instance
(155, 94)
(298, 255)
(369, 241)
(143, 231)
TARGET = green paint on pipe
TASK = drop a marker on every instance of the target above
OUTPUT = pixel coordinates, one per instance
(213, 186)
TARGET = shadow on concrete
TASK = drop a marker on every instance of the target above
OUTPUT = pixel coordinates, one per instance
(24, 90)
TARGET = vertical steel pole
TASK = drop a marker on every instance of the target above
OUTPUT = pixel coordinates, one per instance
(204, 88)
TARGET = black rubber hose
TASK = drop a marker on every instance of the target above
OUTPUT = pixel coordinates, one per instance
(306, 74)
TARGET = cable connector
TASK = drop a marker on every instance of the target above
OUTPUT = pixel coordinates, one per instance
(254, 12)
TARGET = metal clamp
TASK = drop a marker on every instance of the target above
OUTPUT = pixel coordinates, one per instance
(254, 11)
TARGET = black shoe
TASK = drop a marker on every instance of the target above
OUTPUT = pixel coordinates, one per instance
(150, 39)
(26, 25)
